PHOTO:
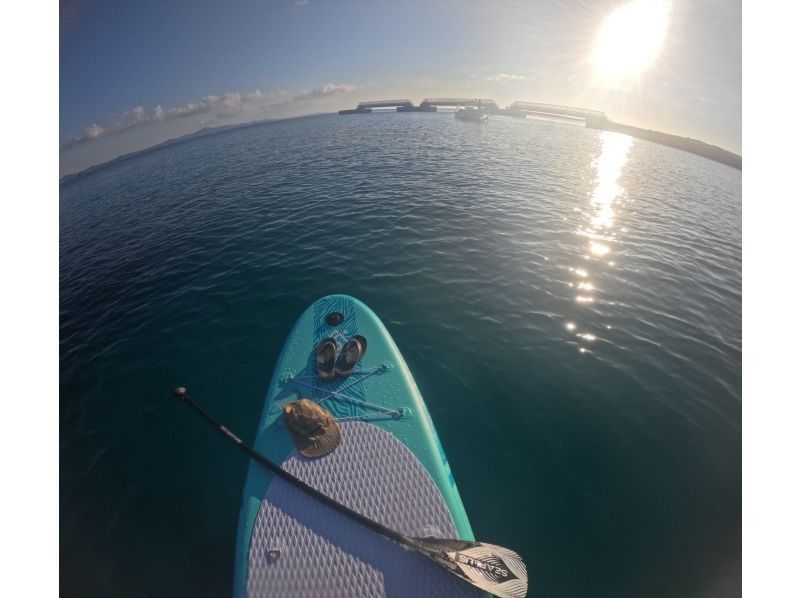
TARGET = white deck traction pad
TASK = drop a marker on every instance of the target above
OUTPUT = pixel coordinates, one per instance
(302, 548)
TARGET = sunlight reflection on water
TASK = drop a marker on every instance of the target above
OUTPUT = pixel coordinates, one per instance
(599, 228)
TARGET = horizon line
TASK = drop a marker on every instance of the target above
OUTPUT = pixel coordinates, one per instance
(68, 177)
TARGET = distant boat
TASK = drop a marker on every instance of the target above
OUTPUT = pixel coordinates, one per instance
(477, 113)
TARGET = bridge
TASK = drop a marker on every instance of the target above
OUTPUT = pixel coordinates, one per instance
(593, 118)
(521, 108)
(479, 102)
(384, 104)
(404, 105)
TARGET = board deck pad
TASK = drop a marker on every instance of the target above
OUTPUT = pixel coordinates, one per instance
(303, 548)
(390, 467)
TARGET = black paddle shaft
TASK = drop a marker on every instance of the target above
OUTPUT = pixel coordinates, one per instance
(180, 393)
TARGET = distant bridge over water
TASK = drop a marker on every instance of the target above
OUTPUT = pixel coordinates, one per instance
(555, 110)
(519, 109)
(592, 118)
(384, 104)
(427, 105)
(491, 105)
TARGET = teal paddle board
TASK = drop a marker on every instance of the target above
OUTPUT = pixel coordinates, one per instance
(390, 466)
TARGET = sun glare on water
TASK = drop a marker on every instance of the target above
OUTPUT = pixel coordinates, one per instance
(630, 38)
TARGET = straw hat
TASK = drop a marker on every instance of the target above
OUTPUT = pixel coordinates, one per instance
(314, 430)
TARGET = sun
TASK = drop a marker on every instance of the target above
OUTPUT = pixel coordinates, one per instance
(630, 39)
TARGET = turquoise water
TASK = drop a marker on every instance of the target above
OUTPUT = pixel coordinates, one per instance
(568, 300)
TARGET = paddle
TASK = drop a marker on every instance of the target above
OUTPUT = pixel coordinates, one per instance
(497, 570)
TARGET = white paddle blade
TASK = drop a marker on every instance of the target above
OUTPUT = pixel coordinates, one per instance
(497, 570)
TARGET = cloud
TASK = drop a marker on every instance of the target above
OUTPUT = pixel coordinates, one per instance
(226, 106)
(707, 100)
(301, 2)
(327, 89)
(94, 131)
(425, 82)
(139, 116)
(505, 78)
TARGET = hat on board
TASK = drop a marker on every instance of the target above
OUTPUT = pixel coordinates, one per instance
(313, 428)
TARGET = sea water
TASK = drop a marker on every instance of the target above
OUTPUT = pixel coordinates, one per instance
(568, 300)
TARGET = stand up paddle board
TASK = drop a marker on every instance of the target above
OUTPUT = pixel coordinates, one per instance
(389, 466)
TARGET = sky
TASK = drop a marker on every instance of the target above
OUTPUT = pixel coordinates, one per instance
(134, 74)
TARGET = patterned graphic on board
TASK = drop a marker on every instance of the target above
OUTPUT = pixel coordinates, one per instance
(309, 385)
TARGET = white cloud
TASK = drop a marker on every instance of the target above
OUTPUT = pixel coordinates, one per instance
(228, 105)
(707, 100)
(327, 89)
(505, 78)
(93, 131)
(139, 116)
(301, 2)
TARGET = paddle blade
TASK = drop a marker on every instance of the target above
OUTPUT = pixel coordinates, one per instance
(497, 570)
